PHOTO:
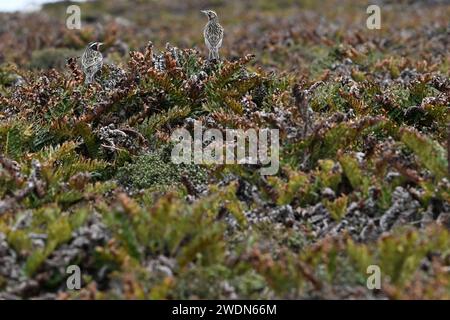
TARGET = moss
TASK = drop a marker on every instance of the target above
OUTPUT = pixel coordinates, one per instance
(155, 169)
(51, 58)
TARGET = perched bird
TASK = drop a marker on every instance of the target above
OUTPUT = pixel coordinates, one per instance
(92, 61)
(213, 34)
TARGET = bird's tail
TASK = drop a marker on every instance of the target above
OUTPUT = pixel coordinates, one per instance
(215, 54)
(88, 79)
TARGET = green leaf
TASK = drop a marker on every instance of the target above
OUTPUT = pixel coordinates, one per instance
(429, 152)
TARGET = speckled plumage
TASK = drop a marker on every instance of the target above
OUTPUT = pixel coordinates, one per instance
(91, 61)
(213, 34)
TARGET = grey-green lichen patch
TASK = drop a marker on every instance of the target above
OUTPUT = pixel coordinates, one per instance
(156, 169)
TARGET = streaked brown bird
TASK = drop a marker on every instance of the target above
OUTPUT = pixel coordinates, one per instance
(213, 33)
(92, 61)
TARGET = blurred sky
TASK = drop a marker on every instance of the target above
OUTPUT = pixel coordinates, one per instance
(22, 5)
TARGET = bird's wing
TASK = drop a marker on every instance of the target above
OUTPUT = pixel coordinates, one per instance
(214, 35)
(94, 68)
(89, 59)
(220, 42)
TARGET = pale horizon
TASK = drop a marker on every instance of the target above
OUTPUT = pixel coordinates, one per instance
(24, 5)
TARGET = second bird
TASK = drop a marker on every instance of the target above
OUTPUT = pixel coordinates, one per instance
(213, 34)
(92, 61)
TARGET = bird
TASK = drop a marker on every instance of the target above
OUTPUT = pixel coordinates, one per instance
(92, 61)
(213, 33)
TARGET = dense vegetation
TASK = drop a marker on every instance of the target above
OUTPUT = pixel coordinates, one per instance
(86, 176)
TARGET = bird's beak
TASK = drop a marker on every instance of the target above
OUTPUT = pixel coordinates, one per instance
(204, 12)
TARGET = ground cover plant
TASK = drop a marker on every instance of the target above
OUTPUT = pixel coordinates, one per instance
(86, 177)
